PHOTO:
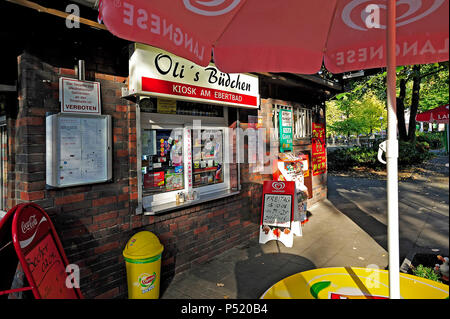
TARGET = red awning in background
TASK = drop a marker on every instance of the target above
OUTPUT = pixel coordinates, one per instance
(437, 115)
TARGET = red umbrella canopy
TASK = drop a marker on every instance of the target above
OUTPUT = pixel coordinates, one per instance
(283, 36)
(437, 115)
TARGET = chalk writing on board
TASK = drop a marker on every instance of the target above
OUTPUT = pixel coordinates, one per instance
(48, 270)
(277, 210)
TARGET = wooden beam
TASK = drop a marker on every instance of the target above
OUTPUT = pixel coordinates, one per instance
(7, 88)
(57, 13)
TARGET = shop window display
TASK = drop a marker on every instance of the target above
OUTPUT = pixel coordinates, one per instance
(207, 157)
(162, 160)
(180, 162)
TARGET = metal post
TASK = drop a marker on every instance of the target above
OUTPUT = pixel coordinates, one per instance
(238, 149)
(392, 157)
(448, 145)
(81, 70)
(139, 209)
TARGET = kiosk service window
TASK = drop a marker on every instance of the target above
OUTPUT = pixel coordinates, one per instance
(179, 157)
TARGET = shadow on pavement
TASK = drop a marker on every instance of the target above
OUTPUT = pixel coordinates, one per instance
(373, 227)
(257, 274)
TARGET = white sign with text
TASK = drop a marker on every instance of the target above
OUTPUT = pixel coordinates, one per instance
(159, 73)
(79, 97)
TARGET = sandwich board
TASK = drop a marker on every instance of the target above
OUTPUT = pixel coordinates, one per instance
(277, 212)
(28, 229)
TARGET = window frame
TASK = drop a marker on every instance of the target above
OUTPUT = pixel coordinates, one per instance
(225, 185)
(145, 120)
(296, 124)
(164, 197)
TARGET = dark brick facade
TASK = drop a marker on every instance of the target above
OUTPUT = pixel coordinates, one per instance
(94, 222)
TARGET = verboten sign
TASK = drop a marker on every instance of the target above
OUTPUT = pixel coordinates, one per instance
(158, 73)
(81, 97)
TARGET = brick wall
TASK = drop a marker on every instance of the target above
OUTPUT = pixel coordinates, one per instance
(94, 222)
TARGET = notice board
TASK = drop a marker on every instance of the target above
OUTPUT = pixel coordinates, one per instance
(285, 128)
(79, 149)
(277, 212)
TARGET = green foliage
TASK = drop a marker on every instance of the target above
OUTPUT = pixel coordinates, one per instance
(346, 158)
(433, 139)
(413, 153)
(334, 115)
(355, 114)
(410, 153)
(368, 111)
(365, 98)
(426, 272)
(349, 126)
(434, 87)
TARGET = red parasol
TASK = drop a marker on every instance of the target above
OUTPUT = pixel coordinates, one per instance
(290, 36)
(296, 36)
(436, 115)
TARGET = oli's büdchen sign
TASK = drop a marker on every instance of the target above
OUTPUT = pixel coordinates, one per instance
(159, 73)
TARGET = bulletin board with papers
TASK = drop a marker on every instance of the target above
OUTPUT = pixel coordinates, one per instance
(79, 149)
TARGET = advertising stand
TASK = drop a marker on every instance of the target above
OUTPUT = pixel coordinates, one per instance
(28, 229)
(277, 212)
(290, 167)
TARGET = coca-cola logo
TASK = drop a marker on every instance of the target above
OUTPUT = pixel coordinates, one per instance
(365, 14)
(29, 225)
(211, 7)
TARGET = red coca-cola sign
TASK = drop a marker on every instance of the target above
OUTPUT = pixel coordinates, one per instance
(40, 253)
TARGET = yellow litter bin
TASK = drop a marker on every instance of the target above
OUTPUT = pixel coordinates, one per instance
(142, 256)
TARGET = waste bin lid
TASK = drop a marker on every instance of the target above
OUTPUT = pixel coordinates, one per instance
(143, 245)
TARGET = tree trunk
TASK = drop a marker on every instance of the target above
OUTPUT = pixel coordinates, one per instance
(414, 103)
(401, 111)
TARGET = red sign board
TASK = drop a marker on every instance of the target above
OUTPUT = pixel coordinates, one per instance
(40, 252)
(193, 91)
(319, 150)
(277, 213)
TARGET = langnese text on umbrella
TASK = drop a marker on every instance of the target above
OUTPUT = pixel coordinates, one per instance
(402, 49)
(160, 26)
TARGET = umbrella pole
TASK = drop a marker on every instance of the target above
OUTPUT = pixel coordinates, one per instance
(392, 157)
(448, 144)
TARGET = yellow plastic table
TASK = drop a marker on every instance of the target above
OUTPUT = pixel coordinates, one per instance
(353, 283)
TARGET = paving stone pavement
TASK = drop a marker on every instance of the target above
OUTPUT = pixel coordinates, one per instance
(329, 239)
(347, 229)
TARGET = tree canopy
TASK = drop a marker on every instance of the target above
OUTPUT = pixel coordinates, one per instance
(359, 109)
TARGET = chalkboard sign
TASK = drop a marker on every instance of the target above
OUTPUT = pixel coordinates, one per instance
(277, 212)
(41, 254)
